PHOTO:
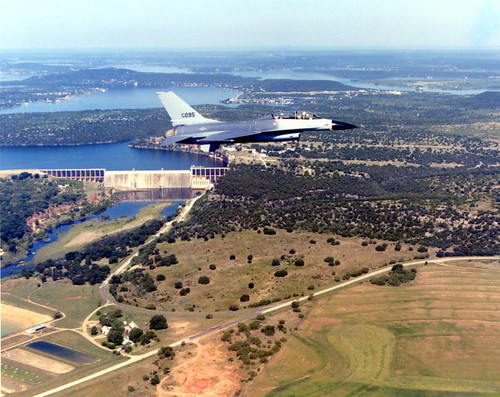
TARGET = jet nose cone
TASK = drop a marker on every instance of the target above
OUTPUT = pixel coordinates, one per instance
(339, 125)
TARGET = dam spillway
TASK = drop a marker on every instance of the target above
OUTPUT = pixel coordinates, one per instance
(194, 178)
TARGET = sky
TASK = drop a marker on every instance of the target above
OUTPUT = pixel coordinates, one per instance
(248, 24)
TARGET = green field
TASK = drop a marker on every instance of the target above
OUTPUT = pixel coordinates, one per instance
(440, 335)
(76, 301)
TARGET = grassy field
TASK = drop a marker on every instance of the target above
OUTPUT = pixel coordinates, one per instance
(89, 231)
(76, 301)
(437, 336)
(231, 278)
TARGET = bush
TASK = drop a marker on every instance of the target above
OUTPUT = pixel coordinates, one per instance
(295, 304)
(381, 247)
(234, 308)
(251, 285)
(244, 298)
(178, 285)
(281, 273)
(269, 231)
(158, 321)
(212, 267)
(292, 251)
(299, 262)
(135, 334)
(94, 331)
(203, 280)
(329, 259)
(275, 262)
(232, 257)
(184, 291)
(160, 277)
(312, 242)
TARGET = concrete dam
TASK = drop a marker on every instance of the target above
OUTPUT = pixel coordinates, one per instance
(194, 178)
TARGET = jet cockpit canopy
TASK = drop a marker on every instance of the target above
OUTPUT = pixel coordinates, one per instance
(295, 115)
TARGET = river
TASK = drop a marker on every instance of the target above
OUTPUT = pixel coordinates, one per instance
(116, 211)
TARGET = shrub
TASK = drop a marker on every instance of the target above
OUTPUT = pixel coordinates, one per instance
(158, 321)
(251, 285)
(275, 262)
(94, 331)
(292, 251)
(422, 249)
(299, 262)
(160, 277)
(269, 231)
(234, 308)
(312, 242)
(232, 257)
(281, 273)
(244, 298)
(364, 243)
(329, 259)
(212, 267)
(178, 285)
(397, 247)
(184, 291)
(203, 280)
(209, 316)
(381, 247)
(295, 304)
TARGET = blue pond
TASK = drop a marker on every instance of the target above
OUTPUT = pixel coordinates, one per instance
(63, 352)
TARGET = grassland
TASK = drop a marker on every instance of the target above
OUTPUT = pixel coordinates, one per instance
(93, 230)
(195, 258)
(437, 336)
(76, 301)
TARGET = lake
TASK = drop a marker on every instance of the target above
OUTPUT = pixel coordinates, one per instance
(126, 98)
(297, 75)
(111, 156)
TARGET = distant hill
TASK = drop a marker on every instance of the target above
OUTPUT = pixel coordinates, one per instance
(125, 78)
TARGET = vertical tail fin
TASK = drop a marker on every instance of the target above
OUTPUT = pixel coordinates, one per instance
(179, 111)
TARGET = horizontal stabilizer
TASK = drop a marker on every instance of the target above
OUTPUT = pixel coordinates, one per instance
(180, 112)
(170, 140)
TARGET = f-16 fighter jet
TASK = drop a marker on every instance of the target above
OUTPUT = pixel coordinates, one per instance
(190, 127)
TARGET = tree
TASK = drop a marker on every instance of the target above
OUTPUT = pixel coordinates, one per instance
(94, 331)
(244, 298)
(135, 334)
(158, 321)
(115, 336)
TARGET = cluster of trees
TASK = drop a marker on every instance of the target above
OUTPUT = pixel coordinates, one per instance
(396, 276)
(26, 194)
(413, 210)
(248, 346)
(83, 127)
(71, 268)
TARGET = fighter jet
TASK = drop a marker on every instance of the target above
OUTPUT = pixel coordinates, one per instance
(190, 127)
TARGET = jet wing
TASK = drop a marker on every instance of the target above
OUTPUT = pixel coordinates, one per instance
(228, 136)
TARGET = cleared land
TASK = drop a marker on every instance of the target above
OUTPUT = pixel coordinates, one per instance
(38, 361)
(195, 258)
(76, 301)
(438, 335)
(16, 319)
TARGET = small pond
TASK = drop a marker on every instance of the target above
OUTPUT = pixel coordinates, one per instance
(63, 352)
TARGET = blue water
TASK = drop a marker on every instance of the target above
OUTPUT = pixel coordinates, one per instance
(128, 209)
(126, 98)
(111, 156)
(63, 352)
